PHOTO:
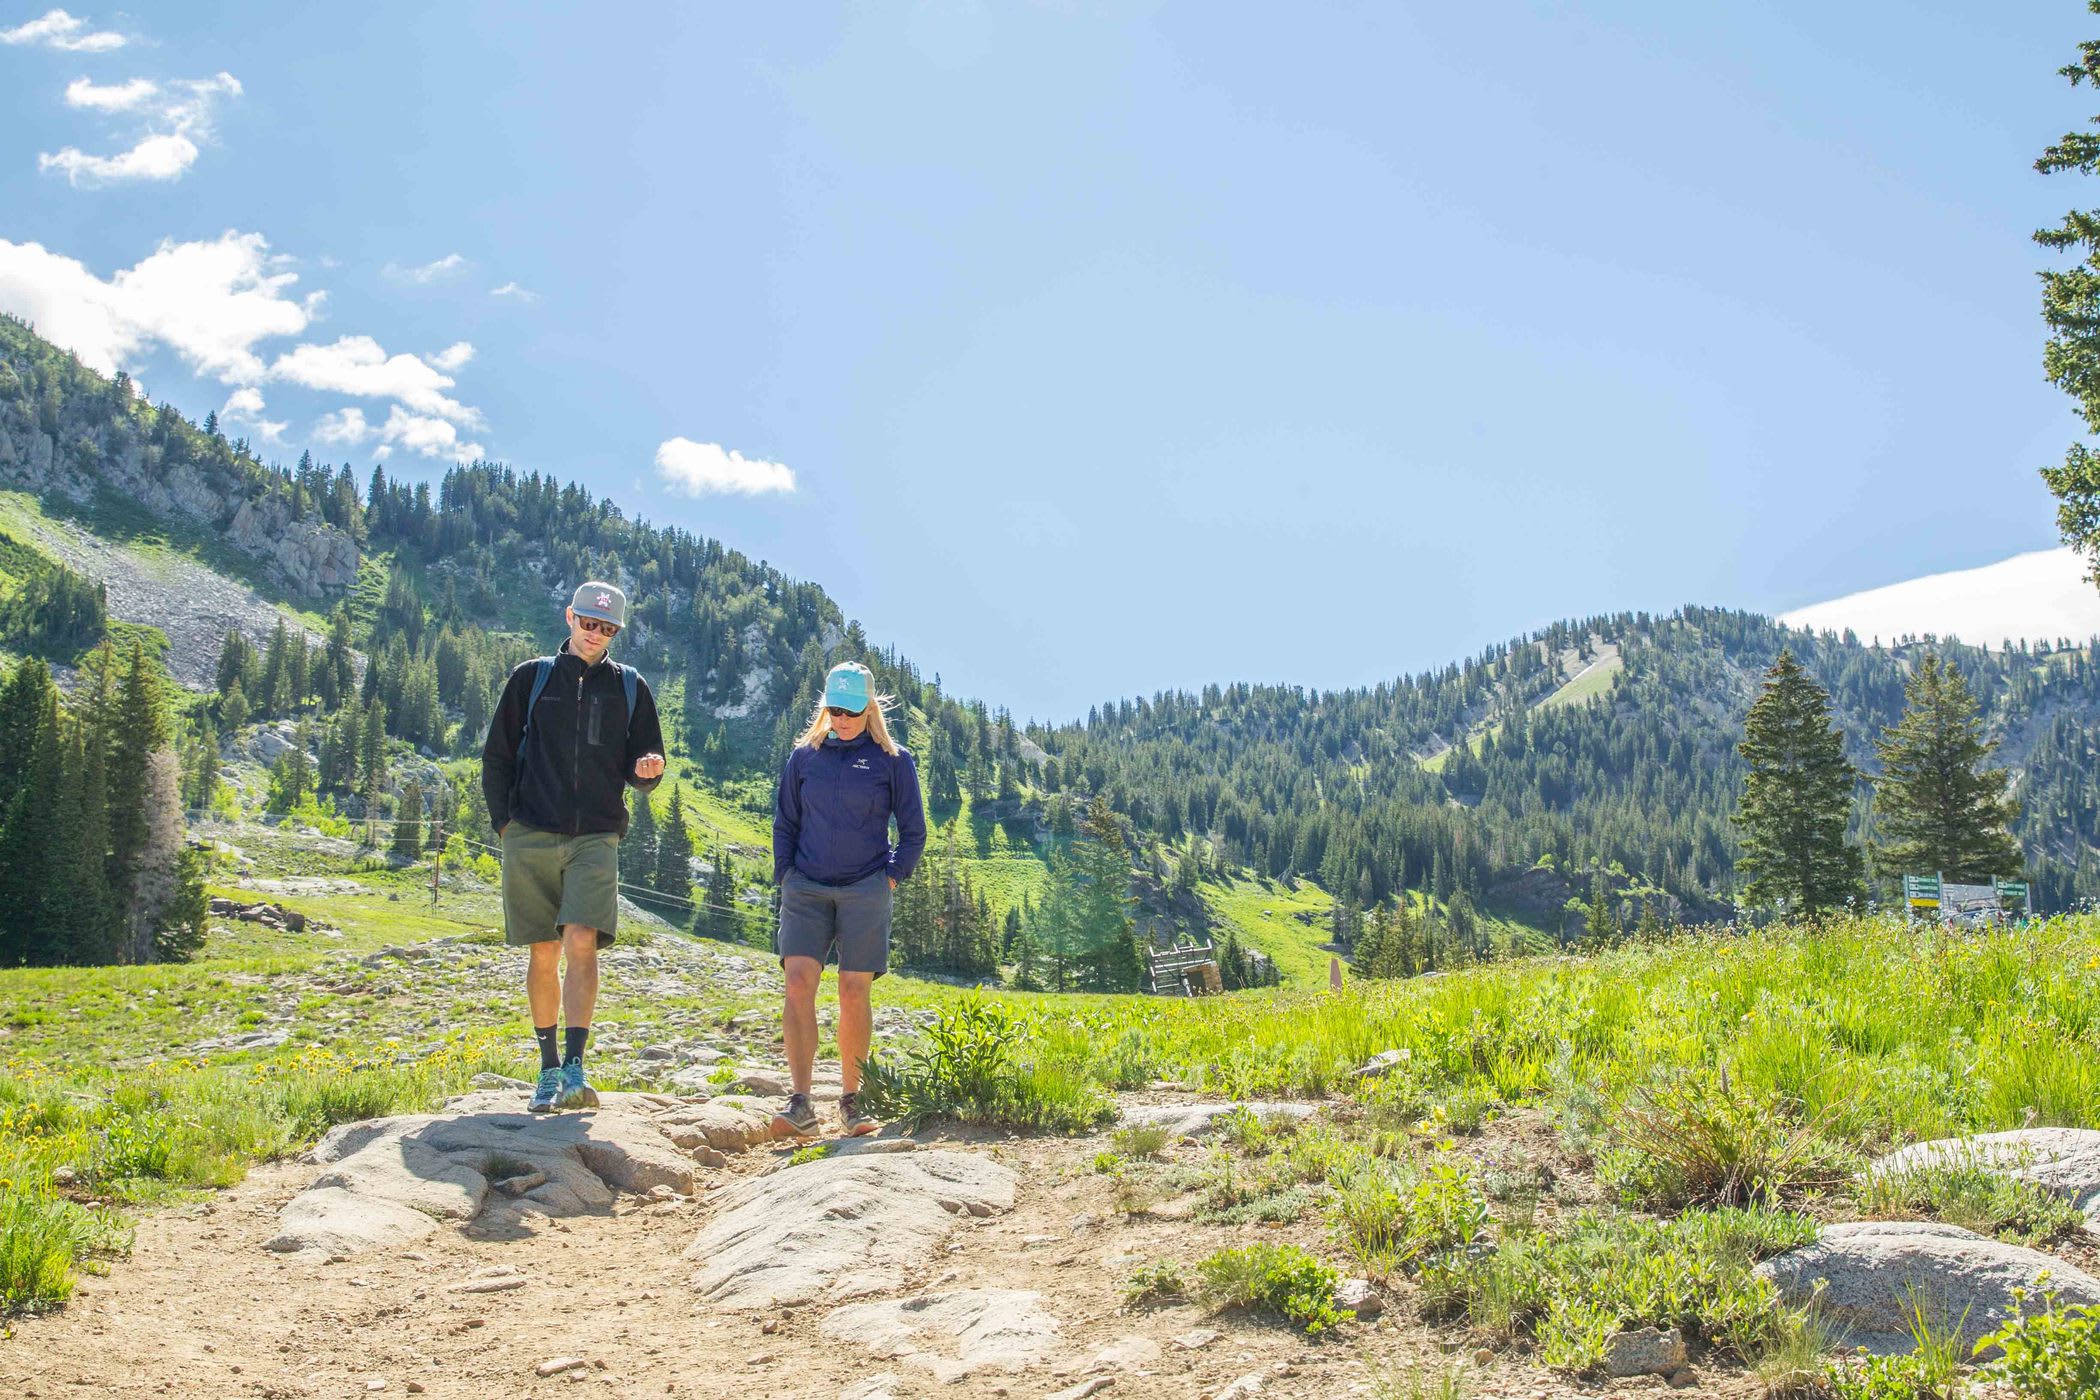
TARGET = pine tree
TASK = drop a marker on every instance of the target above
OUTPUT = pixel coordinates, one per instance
(29, 831)
(640, 844)
(674, 871)
(408, 822)
(137, 730)
(716, 917)
(1599, 928)
(1796, 799)
(1936, 809)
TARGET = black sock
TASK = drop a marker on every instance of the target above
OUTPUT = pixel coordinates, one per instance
(549, 1058)
(572, 1042)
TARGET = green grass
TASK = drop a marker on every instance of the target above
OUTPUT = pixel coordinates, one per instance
(1589, 683)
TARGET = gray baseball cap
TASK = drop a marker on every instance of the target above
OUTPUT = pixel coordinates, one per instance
(603, 601)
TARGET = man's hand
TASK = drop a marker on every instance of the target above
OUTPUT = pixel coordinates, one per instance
(649, 765)
(893, 882)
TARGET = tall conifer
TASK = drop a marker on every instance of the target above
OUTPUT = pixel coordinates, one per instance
(1796, 799)
(1936, 808)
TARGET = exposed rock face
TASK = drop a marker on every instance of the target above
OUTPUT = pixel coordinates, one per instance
(1649, 1351)
(842, 1228)
(986, 1327)
(396, 1179)
(310, 557)
(1873, 1269)
(2062, 1161)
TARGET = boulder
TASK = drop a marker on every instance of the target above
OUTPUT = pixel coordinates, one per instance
(1873, 1269)
(394, 1179)
(1359, 1297)
(1000, 1328)
(840, 1228)
(1185, 1120)
(1381, 1064)
(2062, 1161)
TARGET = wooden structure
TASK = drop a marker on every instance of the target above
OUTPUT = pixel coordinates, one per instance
(1190, 970)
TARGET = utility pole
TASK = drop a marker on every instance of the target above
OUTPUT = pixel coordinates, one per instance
(437, 854)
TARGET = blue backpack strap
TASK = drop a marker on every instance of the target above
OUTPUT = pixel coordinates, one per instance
(540, 678)
(631, 682)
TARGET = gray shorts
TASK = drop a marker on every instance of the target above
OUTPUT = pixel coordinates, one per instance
(550, 879)
(852, 921)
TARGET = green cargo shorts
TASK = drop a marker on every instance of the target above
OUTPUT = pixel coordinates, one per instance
(550, 879)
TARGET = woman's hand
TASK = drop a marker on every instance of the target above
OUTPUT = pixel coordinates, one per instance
(893, 882)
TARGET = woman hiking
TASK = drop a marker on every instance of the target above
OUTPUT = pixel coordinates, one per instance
(844, 781)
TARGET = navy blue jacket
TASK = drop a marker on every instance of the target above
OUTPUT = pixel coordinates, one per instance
(831, 813)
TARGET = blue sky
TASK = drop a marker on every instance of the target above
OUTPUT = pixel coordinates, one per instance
(1108, 347)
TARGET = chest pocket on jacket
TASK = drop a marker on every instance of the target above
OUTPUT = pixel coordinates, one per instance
(595, 723)
(864, 796)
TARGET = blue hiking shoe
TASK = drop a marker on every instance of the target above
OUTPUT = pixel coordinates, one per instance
(574, 1092)
(545, 1092)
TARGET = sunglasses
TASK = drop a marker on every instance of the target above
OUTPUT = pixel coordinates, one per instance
(599, 627)
(836, 713)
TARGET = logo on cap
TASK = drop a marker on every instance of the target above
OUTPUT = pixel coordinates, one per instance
(604, 600)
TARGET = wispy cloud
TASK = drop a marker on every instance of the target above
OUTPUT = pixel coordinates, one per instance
(58, 30)
(359, 365)
(111, 97)
(515, 292)
(707, 469)
(453, 356)
(432, 437)
(244, 406)
(177, 116)
(426, 273)
(346, 426)
(211, 302)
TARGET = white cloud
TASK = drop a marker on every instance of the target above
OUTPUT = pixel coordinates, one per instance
(453, 356)
(428, 272)
(357, 364)
(433, 437)
(2038, 596)
(110, 97)
(177, 117)
(59, 30)
(211, 302)
(153, 158)
(345, 425)
(706, 468)
(245, 406)
(512, 289)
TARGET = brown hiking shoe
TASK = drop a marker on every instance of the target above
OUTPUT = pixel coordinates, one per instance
(852, 1120)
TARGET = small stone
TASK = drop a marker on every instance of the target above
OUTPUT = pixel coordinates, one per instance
(376, 1383)
(1248, 1385)
(1358, 1296)
(1646, 1351)
(518, 1185)
(661, 1192)
(414, 1387)
(1483, 1357)
(488, 1285)
(554, 1366)
(764, 1358)
(1129, 1353)
(1683, 1378)
(1084, 1389)
(770, 1326)
(710, 1156)
(64, 1176)
(1197, 1338)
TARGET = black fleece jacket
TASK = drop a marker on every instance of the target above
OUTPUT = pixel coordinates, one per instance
(579, 757)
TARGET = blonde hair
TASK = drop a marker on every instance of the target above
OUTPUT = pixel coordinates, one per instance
(820, 724)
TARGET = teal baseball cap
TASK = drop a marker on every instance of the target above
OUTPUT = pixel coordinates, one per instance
(846, 688)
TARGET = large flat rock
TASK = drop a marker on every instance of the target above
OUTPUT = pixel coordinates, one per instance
(1187, 1120)
(840, 1228)
(388, 1180)
(951, 1334)
(2062, 1161)
(1873, 1269)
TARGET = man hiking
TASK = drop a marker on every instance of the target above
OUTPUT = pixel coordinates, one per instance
(571, 732)
(844, 781)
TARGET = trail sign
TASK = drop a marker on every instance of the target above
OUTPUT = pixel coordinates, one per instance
(2011, 889)
(1922, 889)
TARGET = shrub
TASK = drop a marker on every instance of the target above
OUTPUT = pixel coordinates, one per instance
(966, 1070)
(1281, 1279)
(1790, 1362)
(815, 1152)
(1973, 1195)
(1140, 1140)
(1699, 1139)
(1393, 1215)
(1421, 1383)
(1931, 1370)
(42, 1240)
(1160, 1282)
(1573, 1333)
(2053, 1354)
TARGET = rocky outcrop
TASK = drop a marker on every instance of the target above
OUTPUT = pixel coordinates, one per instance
(395, 1179)
(1195, 1120)
(1872, 1271)
(309, 557)
(842, 1228)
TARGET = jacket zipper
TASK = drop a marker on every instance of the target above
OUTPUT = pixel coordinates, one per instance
(576, 764)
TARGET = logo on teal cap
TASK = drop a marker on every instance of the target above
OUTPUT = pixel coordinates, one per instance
(846, 688)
